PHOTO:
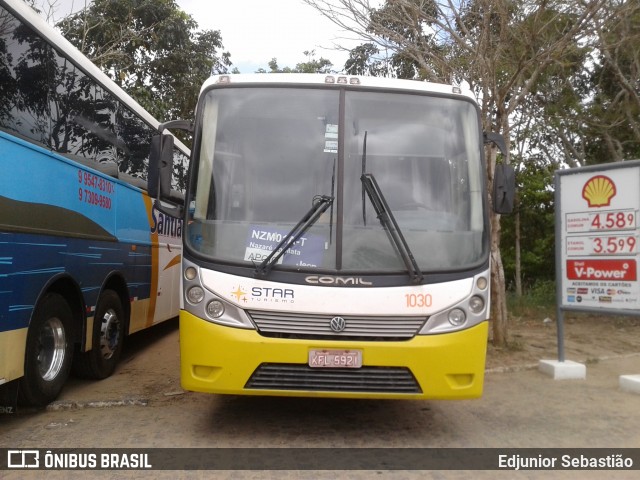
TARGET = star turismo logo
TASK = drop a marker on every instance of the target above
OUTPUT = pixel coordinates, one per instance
(240, 294)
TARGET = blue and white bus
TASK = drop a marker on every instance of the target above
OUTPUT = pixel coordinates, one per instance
(85, 257)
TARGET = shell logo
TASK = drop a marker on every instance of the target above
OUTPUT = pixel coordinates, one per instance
(599, 191)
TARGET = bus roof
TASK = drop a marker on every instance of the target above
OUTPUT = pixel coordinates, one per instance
(309, 79)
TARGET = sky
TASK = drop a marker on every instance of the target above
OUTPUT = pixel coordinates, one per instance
(255, 31)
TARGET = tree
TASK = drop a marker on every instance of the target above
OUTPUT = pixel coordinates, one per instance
(365, 60)
(613, 121)
(531, 228)
(151, 48)
(501, 47)
(582, 110)
(584, 107)
(321, 65)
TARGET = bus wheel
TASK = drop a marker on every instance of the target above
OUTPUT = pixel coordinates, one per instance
(49, 351)
(108, 336)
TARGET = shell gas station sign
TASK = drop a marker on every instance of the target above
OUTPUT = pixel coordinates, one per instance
(598, 236)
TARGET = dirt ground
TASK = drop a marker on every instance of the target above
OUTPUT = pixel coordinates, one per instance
(153, 357)
(587, 339)
(517, 410)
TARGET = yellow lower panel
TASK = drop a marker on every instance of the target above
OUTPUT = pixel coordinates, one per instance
(218, 359)
(139, 315)
(88, 340)
(12, 349)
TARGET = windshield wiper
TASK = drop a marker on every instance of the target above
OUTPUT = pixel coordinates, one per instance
(389, 223)
(320, 204)
(364, 169)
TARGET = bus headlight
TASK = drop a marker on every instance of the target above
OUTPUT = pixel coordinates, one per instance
(190, 273)
(476, 304)
(215, 308)
(467, 312)
(202, 301)
(457, 317)
(195, 294)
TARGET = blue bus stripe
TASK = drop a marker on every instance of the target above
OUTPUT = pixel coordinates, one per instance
(84, 255)
(38, 271)
(16, 308)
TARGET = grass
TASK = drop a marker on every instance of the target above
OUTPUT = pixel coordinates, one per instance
(515, 344)
(537, 303)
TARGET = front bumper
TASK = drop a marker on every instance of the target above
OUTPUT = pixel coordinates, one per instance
(219, 359)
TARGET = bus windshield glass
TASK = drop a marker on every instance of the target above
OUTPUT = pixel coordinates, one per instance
(266, 154)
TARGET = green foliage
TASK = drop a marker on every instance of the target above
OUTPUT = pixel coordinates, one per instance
(535, 207)
(537, 300)
(364, 60)
(152, 49)
(403, 25)
(312, 65)
(614, 111)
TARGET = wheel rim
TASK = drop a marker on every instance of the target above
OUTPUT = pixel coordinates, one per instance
(109, 334)
(52, 348)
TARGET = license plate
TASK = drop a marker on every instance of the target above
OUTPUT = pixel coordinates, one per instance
(335, 358)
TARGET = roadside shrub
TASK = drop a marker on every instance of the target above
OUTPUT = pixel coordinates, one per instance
(539, 299)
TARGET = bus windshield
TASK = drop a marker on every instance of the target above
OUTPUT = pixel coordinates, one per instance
(266, 154)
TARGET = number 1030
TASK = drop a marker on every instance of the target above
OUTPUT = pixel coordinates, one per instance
(418, 300)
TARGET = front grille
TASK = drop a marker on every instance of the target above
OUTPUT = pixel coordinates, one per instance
(302, 325)
(275, 376)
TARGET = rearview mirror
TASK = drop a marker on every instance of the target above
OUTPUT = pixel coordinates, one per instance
(504, 177)
(504, 188)
(160, 166)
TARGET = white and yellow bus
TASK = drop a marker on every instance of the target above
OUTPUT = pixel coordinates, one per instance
(336, 239)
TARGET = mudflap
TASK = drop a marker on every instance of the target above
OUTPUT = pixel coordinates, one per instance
(9, 397)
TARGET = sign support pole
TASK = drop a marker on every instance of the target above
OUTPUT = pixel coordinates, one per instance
(558, 232)
(560, 325)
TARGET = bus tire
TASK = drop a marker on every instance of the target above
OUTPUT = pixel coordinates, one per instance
(108, 337)
(49, 351)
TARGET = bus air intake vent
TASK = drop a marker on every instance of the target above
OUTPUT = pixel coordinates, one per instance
(276, 376)
(313, 326)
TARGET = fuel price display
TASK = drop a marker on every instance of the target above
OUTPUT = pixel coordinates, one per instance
(599, 236)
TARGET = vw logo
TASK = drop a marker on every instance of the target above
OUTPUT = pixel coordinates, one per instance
(338, 324)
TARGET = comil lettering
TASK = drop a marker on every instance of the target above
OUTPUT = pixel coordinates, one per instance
(337, 281)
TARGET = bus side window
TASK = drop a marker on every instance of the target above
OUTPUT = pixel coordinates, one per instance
(134, 143)
(72, 104)
(24, 108)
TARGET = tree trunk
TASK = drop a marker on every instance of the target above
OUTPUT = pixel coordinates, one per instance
(499, 314)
